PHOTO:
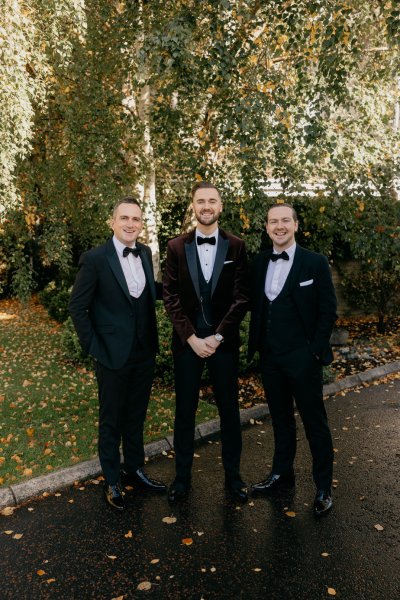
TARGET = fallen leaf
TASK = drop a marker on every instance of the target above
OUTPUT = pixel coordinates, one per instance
(187, 541)
(169, 520)
(41, 572)
(213, 569)
(379, 527)
(8, 532)
(324, 554)
(290, 513)
(154, 561)
(331, 591)
(111, 556)
(144, 585)
(129, 534)
(18, 536)
(257, 570)
(27, 471)
(52, 580)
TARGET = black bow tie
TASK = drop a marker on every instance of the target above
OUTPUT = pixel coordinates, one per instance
(127, 250)
(283, 255)
(206, 240)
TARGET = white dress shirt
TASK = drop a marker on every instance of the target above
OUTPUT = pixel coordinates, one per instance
(207, 254)
(277, 273)
(132, 268)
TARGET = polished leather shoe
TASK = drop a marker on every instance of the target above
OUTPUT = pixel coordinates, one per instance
(178, 492)
(114, 496)
(237, 491)
(323, 502)
(273, 483)
(140, 479)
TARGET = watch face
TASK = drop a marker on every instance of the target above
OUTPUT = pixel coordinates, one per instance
(218, 337)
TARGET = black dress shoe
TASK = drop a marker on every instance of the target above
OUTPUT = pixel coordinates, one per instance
(140, 479)
(323, 502)
(178, 492)
(273, 483)
(114, 496)
(237, 491)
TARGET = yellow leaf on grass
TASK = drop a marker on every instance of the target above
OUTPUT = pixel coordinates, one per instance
(52, 580)
(41, 572)
(154, 561)
(331, 591)
(290, 513)
(187, 541)
(169, 520)
(8, 532)
(18, 536)
(28, 472)
(144, 586)
(129, 534)
(30, 431)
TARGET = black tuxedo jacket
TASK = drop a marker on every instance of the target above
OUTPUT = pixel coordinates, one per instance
(101, 307)
(312, 290)
(229, 293)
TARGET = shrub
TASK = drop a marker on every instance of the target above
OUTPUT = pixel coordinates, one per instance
(55, 298)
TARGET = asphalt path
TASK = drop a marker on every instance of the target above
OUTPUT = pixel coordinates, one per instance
(72, 545)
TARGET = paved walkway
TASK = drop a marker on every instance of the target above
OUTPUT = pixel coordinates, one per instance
(71, 545)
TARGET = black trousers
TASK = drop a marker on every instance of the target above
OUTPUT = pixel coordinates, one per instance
(297, 375)
(123, 399)
(223, 371)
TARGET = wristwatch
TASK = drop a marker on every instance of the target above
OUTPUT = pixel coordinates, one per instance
(219, 337)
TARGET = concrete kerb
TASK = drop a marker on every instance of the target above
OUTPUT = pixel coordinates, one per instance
(21, 492)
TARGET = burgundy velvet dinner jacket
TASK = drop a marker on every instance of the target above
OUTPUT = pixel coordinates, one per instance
(229, 291)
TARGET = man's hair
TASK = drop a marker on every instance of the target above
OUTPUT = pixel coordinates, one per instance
(204, 185)
(278, 205)
(126, 200)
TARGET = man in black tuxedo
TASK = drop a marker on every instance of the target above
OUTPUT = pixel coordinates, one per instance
(112, 306)
(293, 313)
(206, 297)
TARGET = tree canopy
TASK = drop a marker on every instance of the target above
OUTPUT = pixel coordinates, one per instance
(106, 98)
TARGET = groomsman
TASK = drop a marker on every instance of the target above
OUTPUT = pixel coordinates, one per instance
(205, 295)
(293, 313)
(113, 309)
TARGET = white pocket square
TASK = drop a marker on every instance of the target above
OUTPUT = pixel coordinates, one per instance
(227, 262)
(308, 282)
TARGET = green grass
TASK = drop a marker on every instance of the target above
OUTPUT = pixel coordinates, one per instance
(48, 406)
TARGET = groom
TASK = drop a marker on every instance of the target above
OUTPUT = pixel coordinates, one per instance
(205, 296)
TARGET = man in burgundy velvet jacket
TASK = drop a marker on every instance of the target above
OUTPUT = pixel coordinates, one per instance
(206, 297)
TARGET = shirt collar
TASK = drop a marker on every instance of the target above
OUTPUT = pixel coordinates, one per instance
(119, 246)
(290, 251)
(202, 235)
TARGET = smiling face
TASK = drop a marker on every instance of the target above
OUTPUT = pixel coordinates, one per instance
(281, 227)
(207, 207)
(127, 223)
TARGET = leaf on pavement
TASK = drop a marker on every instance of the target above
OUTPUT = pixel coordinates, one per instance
(7, 511)
(324, 554)
(111, 556)
(331, 591)
(290, 513)
(169, 520)
(154, 561)
(18, 536)
(187, 541)
(129, 534)
(41, 572)
(379, 527)
(144, 586)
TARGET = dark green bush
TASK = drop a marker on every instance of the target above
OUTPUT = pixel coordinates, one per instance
(55, 298)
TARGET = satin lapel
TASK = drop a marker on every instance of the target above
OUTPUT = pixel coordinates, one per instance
(148, 271)
(191, 257)
(116, 268)
(296, 267)
(222, 251)
(262, 274)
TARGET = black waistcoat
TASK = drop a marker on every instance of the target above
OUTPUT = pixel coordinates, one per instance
(204, 317)
(282, 327)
